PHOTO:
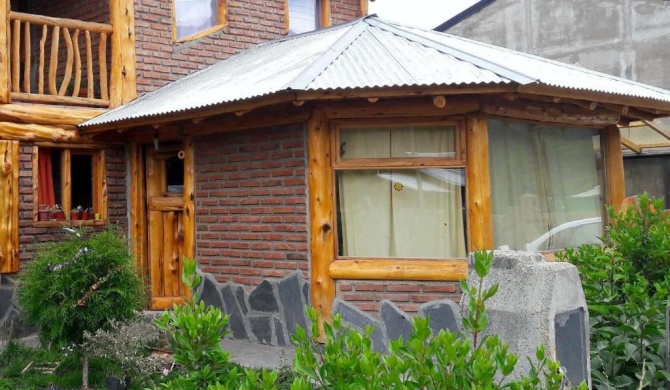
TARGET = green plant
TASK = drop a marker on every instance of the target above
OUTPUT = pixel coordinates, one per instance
(444, 361)
(627, 292)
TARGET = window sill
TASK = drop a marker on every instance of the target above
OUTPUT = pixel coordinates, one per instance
(448, 270)
(201, 34)
(90, 222)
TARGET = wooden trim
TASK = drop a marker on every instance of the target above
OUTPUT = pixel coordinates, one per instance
(478, 185)
(221, 23)
(100, 184)
(47, 115)
(76, 224)
(165, 303)
(55, 99)
(614, 174)
(287, 18)
(363, 8)
(632, 145)
(395, 92)
(550, 113)
(188, 200)
(9, 204)
(5, 67)
(36, 180)
(61, 22)
(399, 269)
(321, 211)
(198, 35)
(161, 203)
(326, 19)
(421, 106)
(138, 216)
(66, 181)
(32, 133)
(123, 77)
(658, 128)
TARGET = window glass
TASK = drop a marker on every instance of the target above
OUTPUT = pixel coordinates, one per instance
(648, 174)
(303, 16)
(405, 142)
(174, 172)
(401, 213)
(193, 16)
(545, 186)
(82, 180)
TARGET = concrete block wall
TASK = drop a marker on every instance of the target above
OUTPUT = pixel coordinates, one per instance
(251, 213)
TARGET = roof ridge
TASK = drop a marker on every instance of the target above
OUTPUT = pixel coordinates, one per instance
(459, 54)
(302, 80)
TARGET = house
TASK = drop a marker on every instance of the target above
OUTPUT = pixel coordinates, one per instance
(64, 62)
(626, 39)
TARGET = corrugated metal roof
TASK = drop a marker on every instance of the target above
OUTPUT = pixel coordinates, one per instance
(368, 53)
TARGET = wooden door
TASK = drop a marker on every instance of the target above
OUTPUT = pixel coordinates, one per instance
(165, 212)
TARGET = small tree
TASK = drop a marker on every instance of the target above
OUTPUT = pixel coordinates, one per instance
(80, 284)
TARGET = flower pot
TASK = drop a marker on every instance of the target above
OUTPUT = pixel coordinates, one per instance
(85, 215)
(43, 215)
(75, 215)
(58, 215)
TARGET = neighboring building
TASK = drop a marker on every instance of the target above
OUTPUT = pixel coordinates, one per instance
(629, 39)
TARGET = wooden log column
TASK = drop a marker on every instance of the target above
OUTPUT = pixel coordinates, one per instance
(9, 204)
(189, 199)
(123, 78)
(5, 68)
(478, 185)
(322, 220)
(138, 215)
(614, 175)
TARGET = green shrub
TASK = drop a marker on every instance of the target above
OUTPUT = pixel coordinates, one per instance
(68, 289)
(626, 287)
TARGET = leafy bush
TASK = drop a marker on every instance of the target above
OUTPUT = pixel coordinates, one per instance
(626, 287)
(80, 284)
(445, 361)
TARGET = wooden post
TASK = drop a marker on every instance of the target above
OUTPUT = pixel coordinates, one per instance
(322, 235)
(5, 67)
(614, 175)
(122, 18)
(138, 216)
(363, 8)
(326, 19)
(189, 199)
(478, 185)
(9, 204)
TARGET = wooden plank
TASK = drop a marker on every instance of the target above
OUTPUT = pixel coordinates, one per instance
(30, 132)
(77, 65)
(16, 54)
(123, 73)
(411, 107)
(631, 145)
(189, 198)
(156, 259)
(100, 184)
(383, 92)
(179, 242)
(614, 174)
(171, 254)
(551, 113)
(399, 269)
(27, 59)
(36, 180)
(90, 81)
(660, 129)
(102, 63)
(478, 185)
(163, 303)
(321, 211)
(9, 204)
(53, 62)
(5, 68)
(166, 203)
(40, 73)
(67, 76)
(326, 19)
(62, 22)
(66, 181)
(55, 99)
(47, 115)
(138, 216)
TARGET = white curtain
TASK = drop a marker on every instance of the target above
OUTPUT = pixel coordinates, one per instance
(400, 213)
(545, 186)
(303, 16)
(194, 16)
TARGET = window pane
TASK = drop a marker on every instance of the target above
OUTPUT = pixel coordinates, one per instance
(303, 16)
(194, 16)
(82, 180)
(545, 186)
(398, 142)
(174, 172)
(648, 174)
(401, 213)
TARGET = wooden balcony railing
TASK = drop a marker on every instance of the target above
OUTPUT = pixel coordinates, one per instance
(43, 71)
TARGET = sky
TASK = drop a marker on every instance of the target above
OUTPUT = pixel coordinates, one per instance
(421, 13)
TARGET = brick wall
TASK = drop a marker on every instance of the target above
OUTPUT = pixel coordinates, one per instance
(250, 22)
(251, 216)
(407, 295)
(30, 236)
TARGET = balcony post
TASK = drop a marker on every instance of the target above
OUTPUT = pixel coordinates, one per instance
(5, 88)
(122, 81)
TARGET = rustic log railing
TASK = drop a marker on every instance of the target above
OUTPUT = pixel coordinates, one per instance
(35, 79)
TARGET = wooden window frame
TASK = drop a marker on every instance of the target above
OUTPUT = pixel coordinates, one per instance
(374, 268)
(222, 22)
(325, 19)
(99, 161)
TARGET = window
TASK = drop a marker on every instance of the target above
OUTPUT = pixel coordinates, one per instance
(648, 174)
(400, 192)
(305, 15)
(195, 18)
(70, 178)
(545, 186)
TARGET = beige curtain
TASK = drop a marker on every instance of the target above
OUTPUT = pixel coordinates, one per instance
(545, 185)
(401, 213)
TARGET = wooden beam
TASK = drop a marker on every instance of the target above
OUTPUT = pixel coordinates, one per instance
(189, 198)
(614, 174)
(63, 100)
(631, 145)
(321, 212)
(326, 19)
(138, 216)
(439, 101)
(660, 129)
(551, 113)
(47, 115)
(61, 22)
(31, 132)
(478, 185)
(5, 68)
(9, 204)
(398, 269)
(410, 107)
(123, 86)
(100, 184)
(66, 181)
(363, 8)
(402, 92)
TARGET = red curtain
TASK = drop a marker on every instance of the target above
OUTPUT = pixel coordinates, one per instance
(46, 183)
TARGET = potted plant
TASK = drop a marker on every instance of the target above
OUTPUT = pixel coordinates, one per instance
(86, 214)
(43, 213)
(75, 214)
(57, 214)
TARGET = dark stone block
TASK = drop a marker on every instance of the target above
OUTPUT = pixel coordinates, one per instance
(290, 295)
(305, 293)
(262, 328)
(6, 280)
(240, 294)
(209, 293)
(359, 320)
(279, 331)
(263, 298)
(235, 316)
(444, 314)
(571, 344)
(6, 302)
(396, 322)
